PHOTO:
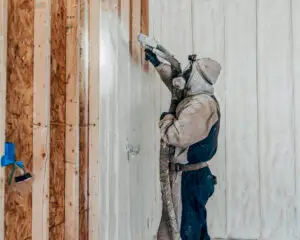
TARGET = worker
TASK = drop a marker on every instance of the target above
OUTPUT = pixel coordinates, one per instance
(193, 130)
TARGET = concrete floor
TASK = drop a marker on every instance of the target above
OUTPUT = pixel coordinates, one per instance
(231, 239)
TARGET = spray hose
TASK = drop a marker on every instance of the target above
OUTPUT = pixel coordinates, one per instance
(167, 177)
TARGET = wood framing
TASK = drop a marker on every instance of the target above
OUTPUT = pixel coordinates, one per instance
(144, 28)
(125, 16)
(3, 48)
(84, 124)
(58, 121)
(135, 29)
(119, 7)
(94, 108)
(52, 112)
(72, 122)
(41, 121)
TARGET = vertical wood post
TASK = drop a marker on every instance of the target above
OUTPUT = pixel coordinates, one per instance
(58, 121)
(135, 29)
(41, 120)
(3, 52)
(94, 111)
(84, 124)
(72, 122)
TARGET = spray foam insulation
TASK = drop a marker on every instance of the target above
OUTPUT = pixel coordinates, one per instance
(19, 116)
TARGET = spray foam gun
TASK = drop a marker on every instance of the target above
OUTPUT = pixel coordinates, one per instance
(162, 53)
(9, 158)
(150, 43)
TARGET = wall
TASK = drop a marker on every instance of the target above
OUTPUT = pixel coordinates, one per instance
(257, 165)
(130, 203)
(43, 48)
(100, 168)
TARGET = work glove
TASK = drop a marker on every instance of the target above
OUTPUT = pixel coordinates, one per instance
(150, 56)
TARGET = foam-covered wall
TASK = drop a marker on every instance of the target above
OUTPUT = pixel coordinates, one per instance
(129, 106)
(257, 165)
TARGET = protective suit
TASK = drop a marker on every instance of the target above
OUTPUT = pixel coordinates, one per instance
(193, 130)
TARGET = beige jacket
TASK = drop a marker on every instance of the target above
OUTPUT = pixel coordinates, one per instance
(195, 116)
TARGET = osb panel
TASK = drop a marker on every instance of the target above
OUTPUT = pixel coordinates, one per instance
(83, 145)
(19, 118)
(58, 117)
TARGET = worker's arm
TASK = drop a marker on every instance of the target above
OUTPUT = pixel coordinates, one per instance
(164, 70)
(192, 125)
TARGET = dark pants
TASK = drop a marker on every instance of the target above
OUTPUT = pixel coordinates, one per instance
(197, 187)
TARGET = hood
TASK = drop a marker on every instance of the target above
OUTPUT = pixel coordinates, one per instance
(204, 75)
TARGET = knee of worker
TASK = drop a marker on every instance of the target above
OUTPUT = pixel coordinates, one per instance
(188, 232)
(193, 231)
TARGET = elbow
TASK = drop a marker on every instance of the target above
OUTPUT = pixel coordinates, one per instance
(175, 141)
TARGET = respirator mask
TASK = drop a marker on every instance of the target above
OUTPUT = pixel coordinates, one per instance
(198, 77)
(181, 79)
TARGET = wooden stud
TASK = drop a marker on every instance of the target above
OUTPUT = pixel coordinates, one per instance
(41, 121)
(58, 120)
(123, 87)
(295, 14)
(144, 29)
(84, 124)
(94, 104)
(125, 17)
(276, 134)
(72, 122)
(135, 29)
(3, 51)
(240, 48)
(208, 37)
(119, 8)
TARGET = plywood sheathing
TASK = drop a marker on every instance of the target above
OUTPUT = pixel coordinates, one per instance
(41, 120)
(72, 120)
(94, 112)
(3, 55)
(84, 131)
(58, 120)
(19, 111)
